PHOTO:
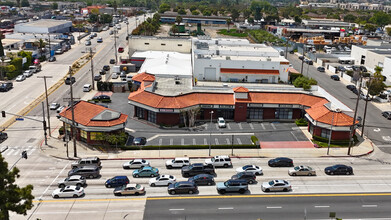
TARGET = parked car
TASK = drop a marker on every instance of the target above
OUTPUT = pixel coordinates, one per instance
(75, 180)
(5, 87)
(114, 76)
(386, 114)
(308, 61)
(129, 78)
(87, 43)
(363, 68)
(106, 67)
(202, 179)
(3, 136)
(112, 61)
(20, 78)
(339, 169)
(117, 181)
(355, 91)
(321, 69)
(302, 171)
(54, 106)
(52, 59)
(178, 162)
(276, 185)
(59, 51)
(356, 68)
(68, 191)
(88, 172)
(240, 186)
(146, 172)
(335, 77)
(351, 87)
(365, 97)
(162, 180)
(120, 50)
(197, 168)
(136, 164)
(99, 40)
(256, 170)
(60, 109)
(221, 122)
(139, 141)
(248, 176)
(129, 189)
(182, 187)
(101, 97)
(111, 31)
(97, 78)
(281, 162)
(301, 57)
(122, 75)
(88, 161)
(28, 73)
(341, 69)
(219, 161)
(70, 80)
(102, 72)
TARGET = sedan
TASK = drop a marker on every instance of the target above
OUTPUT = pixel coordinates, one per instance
(28, 73)
(162, 180)
(387, 114)
(75, 180)
(112, 61)
(146, 172)
(114, 76)
(20, 78)
(139, 141)
(88, 43)
(351, 87)
(250, 168)
(276, 185)
(321, 69)
(202, 179)
(106, 67)
(68, 191)
(59, 51)
(136, 164)
(281, 162)
(52, 59)
(97, 77)
(129, 189)
(335, 77)
(54, 106)
(339, 169)
(182, 187)
(302, 171)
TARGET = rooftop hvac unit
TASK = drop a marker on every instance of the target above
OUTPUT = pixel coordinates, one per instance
(268, 59)
(217, 52)
(228, 58)
(176, 77)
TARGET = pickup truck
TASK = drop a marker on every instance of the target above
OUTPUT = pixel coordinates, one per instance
(197, 168)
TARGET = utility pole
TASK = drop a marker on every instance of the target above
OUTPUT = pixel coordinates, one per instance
(210, 134)
(50, 50)
(302, 61)
(44, 124)
(73, 130)
(92, 70)
(47, 101)
(365, 109)
(355, 115)
(286, 49)
(115, 45)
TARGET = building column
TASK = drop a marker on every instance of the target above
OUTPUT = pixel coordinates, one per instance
(240, 113)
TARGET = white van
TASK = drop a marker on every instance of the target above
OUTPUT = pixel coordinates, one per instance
(87, 88)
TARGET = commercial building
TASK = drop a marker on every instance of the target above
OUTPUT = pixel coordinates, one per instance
(44, 26)
(194, 19)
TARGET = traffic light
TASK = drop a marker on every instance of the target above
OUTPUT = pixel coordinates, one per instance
(3, 114)
(24, 154)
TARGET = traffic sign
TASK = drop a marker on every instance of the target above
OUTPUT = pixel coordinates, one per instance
(19, 119)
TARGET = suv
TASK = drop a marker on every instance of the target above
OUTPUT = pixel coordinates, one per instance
(221, 122)
(70, 80)
(117, 181)
(75, 180)
(4, 87)
(90, 172)
(178, 162)
(219, 161)
(248, 176)
(89, 161)
(240, 186)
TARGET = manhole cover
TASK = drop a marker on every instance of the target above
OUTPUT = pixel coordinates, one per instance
(31, 140)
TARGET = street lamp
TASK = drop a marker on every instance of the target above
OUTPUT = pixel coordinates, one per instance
(210, 135)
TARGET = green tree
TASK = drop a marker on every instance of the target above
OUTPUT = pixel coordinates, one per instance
(304, 82)
(195, 12)
(192, 8)
(25, 3)
(370, 27)
(246, 13)
(388, 31)
(106, 18)
(164, 7)
(376, 85)
(381, 19)
(12, 197)
(228, 23)
(349, 18)
(115, 139)
(234, 14)
(55, 6)
(182, 11)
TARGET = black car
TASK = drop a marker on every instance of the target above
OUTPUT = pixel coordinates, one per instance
(335, 77)
(321, 69)
(102, 72)
(341, 69)
(3, 136)
(139, 140)
(182, 187)
(280, 162)
(355, 91)
(100, 97)
(351, 87)
(363, 69)
(248, 176)
(309, 62)
(387, 114)
(97, 77)
(202, 179)
(112, 61)
(339, 169)
(106, 67)
(70, 80)
(356, 68)
(292, 52)
(5, 87)
(301, 58)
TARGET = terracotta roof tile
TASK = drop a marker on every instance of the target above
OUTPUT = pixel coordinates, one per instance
(143, 77)
(240, 89)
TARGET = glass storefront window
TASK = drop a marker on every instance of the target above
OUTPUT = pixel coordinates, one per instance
(254, 113)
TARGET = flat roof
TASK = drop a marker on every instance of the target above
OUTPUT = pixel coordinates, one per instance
(161, 63)
(46, 23)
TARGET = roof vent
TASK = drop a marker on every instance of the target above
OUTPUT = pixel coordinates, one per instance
(176, 77)
(177, 82)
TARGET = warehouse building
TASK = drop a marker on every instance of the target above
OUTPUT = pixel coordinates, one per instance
(44, 26)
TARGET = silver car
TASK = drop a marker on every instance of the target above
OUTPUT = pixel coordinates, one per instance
(136, 164)
(276, 186)
(75, 180)
(302, 171)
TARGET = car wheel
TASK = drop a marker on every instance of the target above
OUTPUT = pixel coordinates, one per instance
(348, 173)
(209, 183)
(222, 191)
(285, 190)
(136, 193)
(267, 190)
(225, 165)
(56, 196)
(169, 167)
(152, 175)
(251, 181)
(62, 185)
(309, 174)
(137, 176)
(78, 185)
(241, 191)
(125, 167)
(153, 184)
(108, 186)
(91, 177)
(172, 192)
(117, 194)
(75, 196)
(293, 174)
(190, 191)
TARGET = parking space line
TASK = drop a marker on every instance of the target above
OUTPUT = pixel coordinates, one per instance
(322, 206)
(228, 126)
(369, 206)
(263, 126)
(228, 142)
(294, 136)
(171, 141)
(239, 141)
(217, 141)
(240, 126)
(217, 126)
(226, 208)
(274, 127)
(182, 141)
(251, 126)
(160, 141)
(273, 207)
(194, 141)
(205, 141)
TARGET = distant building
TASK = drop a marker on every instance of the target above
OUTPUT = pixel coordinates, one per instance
(44, 26)
(194, 19)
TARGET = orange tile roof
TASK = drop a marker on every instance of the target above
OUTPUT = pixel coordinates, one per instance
(249, 71)
(240, 89)
(143, 77)
(292, 70)
(322, 114)
(85, 111)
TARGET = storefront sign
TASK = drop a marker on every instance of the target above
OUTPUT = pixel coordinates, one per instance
(166, 110)
(255, 105)
(206, 106)
(285, 106)
(226, 106)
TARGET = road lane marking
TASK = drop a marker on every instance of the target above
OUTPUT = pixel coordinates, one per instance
(160, 141)
(251, 126)
(274, 127)
(217, 127)
(182, 141)
(217, 141)
(369, 206)
(194, 141)
(171, 141)
(322, 206)
(176, 209)
(294, 136)
(228, 126)
(273, 207)
(53, 181)
(205, 141)
(239, 141)
(263, 126)
(224, 208)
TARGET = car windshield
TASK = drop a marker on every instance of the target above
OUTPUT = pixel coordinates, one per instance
(138, 186)
(213, 159)
(226, 183)
(297, 168)
(247, 166)
(271, 183)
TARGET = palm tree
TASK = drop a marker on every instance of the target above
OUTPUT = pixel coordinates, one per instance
(228, 22)
(178, 20)
(41, 45)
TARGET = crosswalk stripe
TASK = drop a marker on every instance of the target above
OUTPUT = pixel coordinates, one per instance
(239, 141)
(228, 126)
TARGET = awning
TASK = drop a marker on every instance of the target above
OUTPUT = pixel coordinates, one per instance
(249, 71)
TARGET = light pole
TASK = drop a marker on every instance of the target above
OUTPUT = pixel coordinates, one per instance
(115, 45)
(354, 117)
(302, 61)
(210, 134)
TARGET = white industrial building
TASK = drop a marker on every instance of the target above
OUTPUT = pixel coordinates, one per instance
(236, 60)
(44, 26)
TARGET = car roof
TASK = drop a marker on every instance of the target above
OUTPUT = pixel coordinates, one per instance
(75, 177)
(185, 183)
(165, 176)
(238, 180)
(222, 156)
(182, 158)
(131, 185)
(139, 159)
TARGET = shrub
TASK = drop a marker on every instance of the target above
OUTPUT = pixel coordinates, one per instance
(61, 130)
(254, 139)
(304, 82)
(301, 122)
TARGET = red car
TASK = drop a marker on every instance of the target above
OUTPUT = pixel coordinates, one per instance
(120, 49)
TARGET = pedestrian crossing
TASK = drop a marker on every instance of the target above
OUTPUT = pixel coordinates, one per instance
(17, 150)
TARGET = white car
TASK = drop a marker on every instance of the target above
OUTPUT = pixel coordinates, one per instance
(178, 162)
(136, 164)
(20, 78)
(221, 122)
(219, 161)
(114, 76)
(68, 191)
(54, 106)
(162, 180)
(276, 185)
(28, 73)
(256, 170)
(75, 180)
(60, 109)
